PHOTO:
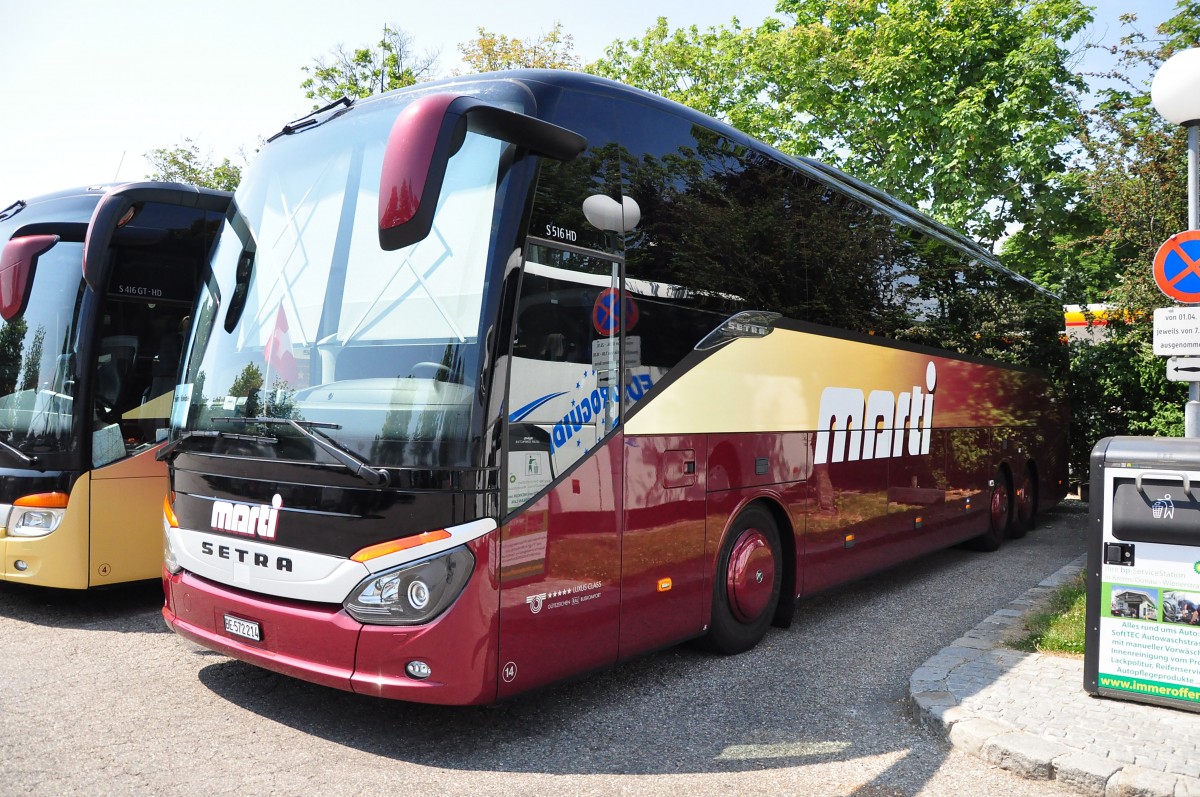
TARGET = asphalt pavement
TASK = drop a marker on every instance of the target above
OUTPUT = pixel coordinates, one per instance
(1028, 713)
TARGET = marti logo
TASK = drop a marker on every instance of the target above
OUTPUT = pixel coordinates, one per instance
(250, 520)
(535, 602)
(874, 426)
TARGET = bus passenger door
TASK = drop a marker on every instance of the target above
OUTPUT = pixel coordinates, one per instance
(560, 546)
(154, 240)
(662, 546)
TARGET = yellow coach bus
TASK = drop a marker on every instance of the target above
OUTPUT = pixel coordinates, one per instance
(96, 291)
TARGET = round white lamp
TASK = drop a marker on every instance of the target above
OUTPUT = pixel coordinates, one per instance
(1175, 93)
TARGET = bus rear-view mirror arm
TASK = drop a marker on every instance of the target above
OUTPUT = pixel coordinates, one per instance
(424, 137)
(112, 208)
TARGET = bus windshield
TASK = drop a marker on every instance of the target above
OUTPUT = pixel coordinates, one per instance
(37, 358)
(306, 317)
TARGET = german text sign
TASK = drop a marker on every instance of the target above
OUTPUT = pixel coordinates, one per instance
(1177, 331)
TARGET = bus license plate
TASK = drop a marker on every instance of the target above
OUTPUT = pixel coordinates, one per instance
(243, 628)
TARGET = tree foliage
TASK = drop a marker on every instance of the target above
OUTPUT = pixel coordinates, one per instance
(1133, 176)
(958, 106)
(493, 52)
(392, 63)
(185, 164)
(705, 70)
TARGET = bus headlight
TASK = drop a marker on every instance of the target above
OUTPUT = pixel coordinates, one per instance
(36, 515)
(413, 593)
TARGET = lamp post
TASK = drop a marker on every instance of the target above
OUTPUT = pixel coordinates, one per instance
(1175, 93)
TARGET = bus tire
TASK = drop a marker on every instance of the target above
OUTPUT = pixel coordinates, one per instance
(748, 578)
(999, 514)
(1025, 502)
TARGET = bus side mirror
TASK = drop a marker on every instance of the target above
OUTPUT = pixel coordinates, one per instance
(425, 136)
(17, 263)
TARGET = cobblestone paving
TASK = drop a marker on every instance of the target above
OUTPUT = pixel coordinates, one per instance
(1029, 713)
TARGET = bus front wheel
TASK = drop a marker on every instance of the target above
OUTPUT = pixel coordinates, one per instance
(748, 578)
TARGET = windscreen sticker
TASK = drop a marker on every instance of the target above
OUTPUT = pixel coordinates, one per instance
(107, 445)
(180, 404)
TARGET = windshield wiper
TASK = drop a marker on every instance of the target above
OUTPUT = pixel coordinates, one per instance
(28, 459)
(13, 209)
(376, 477)
(170, 449)
(310, 119)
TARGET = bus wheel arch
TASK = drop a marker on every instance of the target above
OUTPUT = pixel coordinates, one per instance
(747, 581)
(785, 607)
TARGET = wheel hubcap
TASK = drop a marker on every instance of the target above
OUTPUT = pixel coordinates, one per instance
(750, 577)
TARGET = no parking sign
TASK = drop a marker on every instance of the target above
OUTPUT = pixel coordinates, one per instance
(610, 314)
(1177, 267)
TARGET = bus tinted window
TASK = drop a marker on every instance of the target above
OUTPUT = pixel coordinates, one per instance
(712, 219)
(37, 358)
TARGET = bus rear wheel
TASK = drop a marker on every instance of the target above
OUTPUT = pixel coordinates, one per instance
(748, 578)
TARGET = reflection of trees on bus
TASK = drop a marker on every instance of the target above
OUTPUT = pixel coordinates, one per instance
(12, 342)
(744, 231)
(33, 361)
(281, 400)
(247, 385)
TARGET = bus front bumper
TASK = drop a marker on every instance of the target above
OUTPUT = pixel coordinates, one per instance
(324, 645)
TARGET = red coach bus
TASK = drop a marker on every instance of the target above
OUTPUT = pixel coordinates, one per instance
(502, 379)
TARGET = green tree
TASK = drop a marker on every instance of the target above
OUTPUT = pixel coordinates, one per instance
(711, 71)
(1133, 172)
(961, 107)
(391, 64)
(185, 164)
(493, 52)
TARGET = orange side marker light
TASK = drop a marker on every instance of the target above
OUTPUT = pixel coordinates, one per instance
(385, 548)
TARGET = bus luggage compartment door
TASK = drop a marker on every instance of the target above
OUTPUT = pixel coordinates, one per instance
(662, 545)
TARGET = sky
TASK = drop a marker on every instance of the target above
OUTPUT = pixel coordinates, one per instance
(88, 88)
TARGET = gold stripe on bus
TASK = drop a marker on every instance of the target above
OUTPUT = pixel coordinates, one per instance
(774, 384)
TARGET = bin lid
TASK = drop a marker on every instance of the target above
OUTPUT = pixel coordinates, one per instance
(1152, 452)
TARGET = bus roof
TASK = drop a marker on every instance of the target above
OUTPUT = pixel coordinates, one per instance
(817, 170)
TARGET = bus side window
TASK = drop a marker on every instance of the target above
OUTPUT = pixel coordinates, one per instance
(561, 398)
